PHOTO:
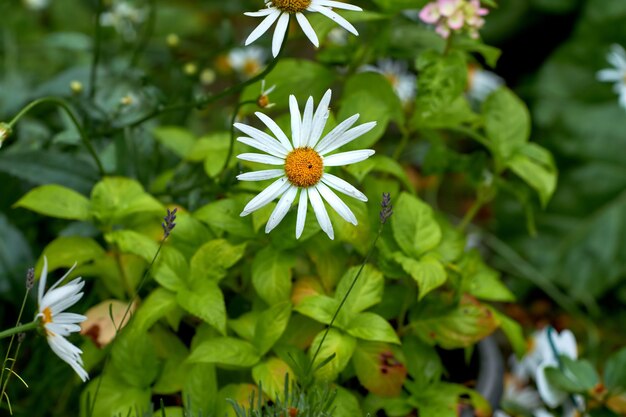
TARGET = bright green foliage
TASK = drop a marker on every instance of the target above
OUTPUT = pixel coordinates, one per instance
(56, 201)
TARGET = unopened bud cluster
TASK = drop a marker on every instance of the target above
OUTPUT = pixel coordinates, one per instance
(455, 16)
(386, 208)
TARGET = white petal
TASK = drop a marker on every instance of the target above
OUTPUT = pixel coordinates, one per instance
(302, 208)
(337, 131)
(263, 26)
(266, 196)
(65, 303)
(307, 122)
(338, 5)
(609, 75)
(343, 186)
(319, 120)
(565, 343)
(69, 354)
(42, 282)
(335, 17)
(273, 148)
(320, 212)
(279, 34)
(346, 158)
(276, 130)
(69, 318)
(261, 13)
(281, 209)
(335, 202)
(296, 121)
(267, 174)
(550, 395)
(308, 29)
(260, 158)
(347, 137)
(262, 137)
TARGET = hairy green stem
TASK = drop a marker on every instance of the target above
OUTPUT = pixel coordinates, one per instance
(68, 110)
(19, 329)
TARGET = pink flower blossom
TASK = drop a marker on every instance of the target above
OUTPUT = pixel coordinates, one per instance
(430, 13)
(461, 16)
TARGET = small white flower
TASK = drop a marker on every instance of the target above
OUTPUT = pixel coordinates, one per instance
(36, 4)
(247, 61)
(551, 345)
(617, 74)
(302, 161)
(264, 98)
(404, 82)
(337, 37)
(281, 10)
(482, 83)
(58, 324)
(124, 17)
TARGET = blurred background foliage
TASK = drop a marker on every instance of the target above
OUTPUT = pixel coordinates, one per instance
(566, 263)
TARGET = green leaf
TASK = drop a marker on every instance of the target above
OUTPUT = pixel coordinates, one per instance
(513, 331)
(270, 375)
(173, 352)
(56, 201)
(271, 275)
(205, 300)
(422, 360)
(414, 226)
(428, 272)
(115, 397)
(240, 393)
(227, 351)
(337, 343)
(615, 372)
(358, 236)
(213, 259)
(482, 281)
(459, 327)
(380, 163)
(320, 308)
(134, 357)
(576, 376)
(224, 215)
(442, 400)
(177, 139)
(345, 404)
(158, 304)
(270, 326)
(329, 261)
(379, 369)
(114, 199)
(65, 251)
(372, 327)
(536, 167)
(367, 292)
(507, 124)
(200, 389)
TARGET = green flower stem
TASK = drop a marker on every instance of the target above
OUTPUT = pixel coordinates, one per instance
(93, 75)
(231, 145)
(68, 110)
(471, 213)
(19, 329)
(345, 297)
(404, 141)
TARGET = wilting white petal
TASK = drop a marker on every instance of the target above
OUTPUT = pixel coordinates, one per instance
(275, 190)
(263, 26)
(346, 158)
(261, 158)
(335, 202)
(267, 174)
(320, 212)
(279, 34)
(281, 209)
(342, 186)
(302, 208)
(308, 29)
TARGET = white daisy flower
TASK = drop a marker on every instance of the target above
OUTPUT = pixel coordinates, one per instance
(550, 346)
(482, 83)
(247, 61)
(404, 82)
(617, 74)
(125, 18)
(281, 10)
(36, 4)
(302, 161)
(58, 324)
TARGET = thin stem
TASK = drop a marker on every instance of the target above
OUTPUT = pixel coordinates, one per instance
(68, 110)
(471, 213)
(231, 145)
(147, 34)
(11, 372)
(19, 329)
(96, 51)
(345, 297)
(402, 145)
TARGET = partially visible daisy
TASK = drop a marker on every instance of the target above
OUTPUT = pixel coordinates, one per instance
(247, 62)
(281, 10)
(264, 101)
(553, 345)
(481, 83)
(125, 18)
(404, 82)
(36, 4)
(301, 162)
(59, 324)
(617, 74)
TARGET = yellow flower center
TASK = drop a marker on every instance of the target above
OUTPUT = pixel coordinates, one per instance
(47, 315)
(304, 167)
(291, 6)
(251, 67)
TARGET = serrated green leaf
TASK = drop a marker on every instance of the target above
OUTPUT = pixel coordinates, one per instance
(205, 300)
(227, 351)
(367, 292)
(270, 326)
(337, 343)
(56, 201)
(65, 251)
(428, 272)
(536, 167)
(320, 308)
(372, 327)
(157, 305)
(414, 226)
(224, 215)
(213, 259)
(271, 275)
(134, 357)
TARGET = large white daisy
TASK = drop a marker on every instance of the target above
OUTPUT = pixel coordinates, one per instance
(281, 10)
(58, 324)
(617, 74)
(302, 161)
